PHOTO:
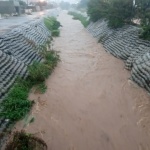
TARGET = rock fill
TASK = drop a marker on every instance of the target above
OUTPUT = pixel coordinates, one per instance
(124, 43)
(19, 48)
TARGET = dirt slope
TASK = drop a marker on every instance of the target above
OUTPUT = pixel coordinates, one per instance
(90, 104)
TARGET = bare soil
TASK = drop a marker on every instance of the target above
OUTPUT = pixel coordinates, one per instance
(90, 104)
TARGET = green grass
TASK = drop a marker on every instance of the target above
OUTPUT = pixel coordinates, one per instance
(77, 16)
(38, 72)
(16, 105)
(41, 88)
(53, 25)
(55, 33)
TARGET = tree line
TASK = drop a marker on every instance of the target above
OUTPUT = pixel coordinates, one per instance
(121, 12)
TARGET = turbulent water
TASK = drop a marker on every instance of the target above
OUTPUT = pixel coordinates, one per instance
(90, 104)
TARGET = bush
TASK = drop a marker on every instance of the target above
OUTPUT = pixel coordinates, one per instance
(25, 141)
(51, 58)
(117, 12)
(143, 13)
(17, 105)
(38, 72)
(97, 9)
(41, 88)
(55, 33)
(53, 25)
(77, 16)
(145, 34)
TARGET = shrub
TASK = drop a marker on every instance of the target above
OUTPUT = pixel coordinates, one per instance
(51, 58)
(25, 141)
(38, 72)
(55, 33)
(53, 25)
(118, 12)
(77, 16)
(17, 105)
(41, 88)
(97, 9)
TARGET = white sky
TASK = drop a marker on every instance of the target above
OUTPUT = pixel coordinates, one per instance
(70, 1)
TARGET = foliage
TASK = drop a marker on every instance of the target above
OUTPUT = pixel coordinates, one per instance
(38, 72)
(77, 16)
(55, 33)
(53, 25)
(97, 9)
(25, 141)
(121, 12)
(41, 88)
(17, 105)
(51, 58)
(118, 12)
(143, 13)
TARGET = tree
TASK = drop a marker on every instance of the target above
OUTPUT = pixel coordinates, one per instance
(143, 13)
(117, 12)
(120, 12)
(97, 9)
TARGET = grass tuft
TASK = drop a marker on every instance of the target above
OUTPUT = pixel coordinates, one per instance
(53, 25)
(16, 105)
(77, 16)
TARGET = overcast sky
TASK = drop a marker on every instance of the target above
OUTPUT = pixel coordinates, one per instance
(70, 1)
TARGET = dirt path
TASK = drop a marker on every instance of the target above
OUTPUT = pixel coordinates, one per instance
(89, 105)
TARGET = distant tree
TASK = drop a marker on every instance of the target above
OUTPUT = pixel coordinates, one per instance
(118, 12)
(97, 9)
(143, 13)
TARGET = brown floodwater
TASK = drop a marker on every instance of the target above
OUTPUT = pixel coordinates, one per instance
(90, 104)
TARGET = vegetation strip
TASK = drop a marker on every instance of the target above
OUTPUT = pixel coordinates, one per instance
(77, 16)
(16, 105)
(25, 141)
(52, 24)
(121, 12)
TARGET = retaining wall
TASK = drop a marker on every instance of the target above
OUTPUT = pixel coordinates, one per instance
(125, 44)
(18, 49)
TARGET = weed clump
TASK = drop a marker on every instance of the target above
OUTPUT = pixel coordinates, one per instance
(55, 33)
(16, 105)
(77, 16)
(38, 72)
(25, 141)
(53, 25)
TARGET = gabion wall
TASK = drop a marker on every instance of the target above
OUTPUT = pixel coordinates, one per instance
(18, 49)
(125, 44)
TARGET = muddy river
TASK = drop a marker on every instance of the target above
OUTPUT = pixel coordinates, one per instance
(90, 103)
